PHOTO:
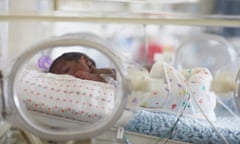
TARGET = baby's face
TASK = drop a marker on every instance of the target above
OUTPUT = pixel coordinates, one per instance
(73, 67)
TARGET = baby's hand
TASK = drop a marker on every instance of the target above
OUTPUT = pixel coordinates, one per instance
(89, 76)
(82, 75)
(106, 71)
(84, 64)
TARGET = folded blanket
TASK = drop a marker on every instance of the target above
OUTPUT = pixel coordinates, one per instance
(187, 129)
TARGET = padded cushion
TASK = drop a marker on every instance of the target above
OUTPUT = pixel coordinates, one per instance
(66, 96)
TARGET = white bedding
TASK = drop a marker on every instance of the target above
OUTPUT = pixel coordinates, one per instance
(65, 96)
(167, 89)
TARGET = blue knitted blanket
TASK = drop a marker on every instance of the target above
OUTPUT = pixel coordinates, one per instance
(187, 129)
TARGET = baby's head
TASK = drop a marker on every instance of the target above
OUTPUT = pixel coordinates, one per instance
(80, 66)
(71, 63)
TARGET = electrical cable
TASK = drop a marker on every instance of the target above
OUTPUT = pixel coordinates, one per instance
(224, 139)
(228, 109)
(186, 99)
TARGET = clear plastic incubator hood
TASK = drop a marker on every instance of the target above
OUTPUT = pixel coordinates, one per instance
(57, 106)
(117, 71)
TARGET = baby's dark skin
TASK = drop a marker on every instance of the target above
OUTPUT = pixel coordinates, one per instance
(80, 66)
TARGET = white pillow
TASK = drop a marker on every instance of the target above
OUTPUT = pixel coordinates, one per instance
(66, 96)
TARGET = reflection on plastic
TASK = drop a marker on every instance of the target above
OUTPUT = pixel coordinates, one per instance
(63, 107)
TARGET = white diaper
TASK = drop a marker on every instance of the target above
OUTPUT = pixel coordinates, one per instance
(65, 96)
(167, 89)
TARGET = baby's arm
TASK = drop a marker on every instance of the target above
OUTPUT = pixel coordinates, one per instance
(97, 74)
(89, 76)
(107, 71)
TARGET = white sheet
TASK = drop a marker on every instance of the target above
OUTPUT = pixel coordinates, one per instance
(65, 96)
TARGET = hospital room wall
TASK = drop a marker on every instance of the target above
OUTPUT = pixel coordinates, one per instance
(22, 34)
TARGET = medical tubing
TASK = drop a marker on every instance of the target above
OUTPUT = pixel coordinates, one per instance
(168, 83)
(195, 100)
(170, 132)
(228, 109)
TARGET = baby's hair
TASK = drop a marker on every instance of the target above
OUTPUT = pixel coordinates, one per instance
(70, 56)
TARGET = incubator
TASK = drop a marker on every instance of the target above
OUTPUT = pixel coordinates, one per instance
(131, 72)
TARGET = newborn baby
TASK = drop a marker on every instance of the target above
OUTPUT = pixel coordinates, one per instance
(83, 92)
(80, 66)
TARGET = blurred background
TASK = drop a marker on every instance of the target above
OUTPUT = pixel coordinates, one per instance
(142, 43)
(183, 33)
